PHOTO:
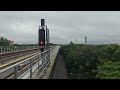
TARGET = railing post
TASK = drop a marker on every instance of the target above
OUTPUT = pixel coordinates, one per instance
(30, 68)
(15, 72)
(4, 49)
(49, 57)
(20, 48)
(42, 56)
(38, 65)
(8, 48)
(38, 62)
(44, 59)
(16, 48)
(1, 49)
(12, 48)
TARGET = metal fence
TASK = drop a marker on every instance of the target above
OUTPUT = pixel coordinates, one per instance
(35, 66)
(4, 49)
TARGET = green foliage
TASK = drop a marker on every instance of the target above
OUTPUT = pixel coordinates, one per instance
(92, 61)
(71, 43)
(113, 54)
(109, 70)
(4, 42)
(81, 61)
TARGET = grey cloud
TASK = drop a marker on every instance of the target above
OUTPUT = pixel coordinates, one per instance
(64, 26)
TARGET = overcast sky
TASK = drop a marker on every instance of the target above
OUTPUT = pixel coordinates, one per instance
(64, 26)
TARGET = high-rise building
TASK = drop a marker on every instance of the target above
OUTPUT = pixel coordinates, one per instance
(85, 40)
(75, 40)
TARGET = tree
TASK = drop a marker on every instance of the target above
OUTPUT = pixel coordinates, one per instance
(109, 70)
(4, 42)
(71, 43)
(80, 62)
(91, 62)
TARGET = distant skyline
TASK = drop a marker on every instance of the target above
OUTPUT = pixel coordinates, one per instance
(65, 26)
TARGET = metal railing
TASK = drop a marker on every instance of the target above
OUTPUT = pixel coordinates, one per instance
(35, 66)
(4, 49)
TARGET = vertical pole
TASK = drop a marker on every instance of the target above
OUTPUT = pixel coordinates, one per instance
(42, 56)
(8, 49)
(12, 48)
(38, 62)
(18, 48)
(1, 49)
(38, 65)
(15, 72)
(4, 48)
(44, 59)
(49, 57)
(30, 68)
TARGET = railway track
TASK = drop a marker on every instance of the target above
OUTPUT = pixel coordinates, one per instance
(21, 69)
(18, 56)
(10, 73)
(28, 65)
(15, 61)
(11, 56)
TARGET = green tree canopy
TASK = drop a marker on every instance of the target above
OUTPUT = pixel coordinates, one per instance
(4, 41)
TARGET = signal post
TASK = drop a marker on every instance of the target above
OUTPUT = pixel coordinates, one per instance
(43, 35)
(43, 41)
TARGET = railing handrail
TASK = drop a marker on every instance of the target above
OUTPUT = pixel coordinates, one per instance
(18, 63)
(4, 49)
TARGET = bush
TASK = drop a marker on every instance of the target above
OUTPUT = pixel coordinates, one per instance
(91, 61)
(80, 61)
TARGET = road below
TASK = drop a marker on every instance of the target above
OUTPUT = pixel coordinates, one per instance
(60, 71)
